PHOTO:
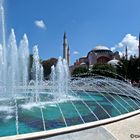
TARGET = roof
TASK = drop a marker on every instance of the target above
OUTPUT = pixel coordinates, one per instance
(101, 48)
(113, 62)
(83, 63)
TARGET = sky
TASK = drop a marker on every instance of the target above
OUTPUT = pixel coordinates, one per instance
(88, 23)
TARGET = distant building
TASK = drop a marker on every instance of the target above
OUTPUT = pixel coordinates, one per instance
(114, 62)
(66, 49)
(126, 53)
(68, 55)
(99, 54)
(82, 60)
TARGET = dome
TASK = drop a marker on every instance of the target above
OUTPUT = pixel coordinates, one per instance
(83, 63)
(101, 48)
(113, 62)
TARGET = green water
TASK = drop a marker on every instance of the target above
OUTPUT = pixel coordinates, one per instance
(89, 104)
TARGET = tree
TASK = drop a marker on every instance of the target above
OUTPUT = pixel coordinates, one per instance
(122, 68)
(129, 69)
(104, 70)
(30, 65)
(134, 69)
(79, 70)
(47, 64)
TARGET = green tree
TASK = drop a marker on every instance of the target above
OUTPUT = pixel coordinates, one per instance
(129, 69)
(30, 65)
(134, 69)
(104, 70)
(47, 64)
(79, 70)
(122, 68)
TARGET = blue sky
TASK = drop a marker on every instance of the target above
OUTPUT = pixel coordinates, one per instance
(113, 23)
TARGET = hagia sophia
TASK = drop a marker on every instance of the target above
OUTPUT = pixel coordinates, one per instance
(99, 54)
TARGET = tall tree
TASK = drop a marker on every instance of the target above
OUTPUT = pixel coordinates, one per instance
(104, 69)
(47, 64)
(80, 70)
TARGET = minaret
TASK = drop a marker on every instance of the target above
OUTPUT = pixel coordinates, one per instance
(139, 46)
(65, 46)
(126, 53)
(68, 55)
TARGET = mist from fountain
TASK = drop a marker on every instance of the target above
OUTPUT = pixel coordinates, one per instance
(14, 62)
(60, 79)
(2, 48)
(37, 75)
(3, 40)
(14, 70)
(24, 61)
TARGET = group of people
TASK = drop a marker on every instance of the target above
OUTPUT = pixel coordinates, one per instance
(136, 83)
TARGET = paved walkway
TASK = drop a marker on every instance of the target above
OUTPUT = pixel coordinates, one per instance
(98, 133)
(128, 129)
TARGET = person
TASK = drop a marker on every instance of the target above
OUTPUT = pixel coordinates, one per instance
(134, 83)
(139, 84)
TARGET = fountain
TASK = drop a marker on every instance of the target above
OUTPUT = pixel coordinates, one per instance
(14, 72)
(35, 105)
(60, 79)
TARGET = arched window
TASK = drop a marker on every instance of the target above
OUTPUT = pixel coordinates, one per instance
(103, 59)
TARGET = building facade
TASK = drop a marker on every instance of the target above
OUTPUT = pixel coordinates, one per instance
(99, 54)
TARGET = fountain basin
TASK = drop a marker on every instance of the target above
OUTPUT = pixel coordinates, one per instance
(70, 129)
(78, 109)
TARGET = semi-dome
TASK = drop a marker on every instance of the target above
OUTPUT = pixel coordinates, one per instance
(101, 48)
(83, 63)
(113, 62)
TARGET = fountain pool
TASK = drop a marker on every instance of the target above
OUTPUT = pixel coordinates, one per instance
(92, 101)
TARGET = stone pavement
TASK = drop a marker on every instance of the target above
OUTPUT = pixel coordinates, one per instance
(98, 133)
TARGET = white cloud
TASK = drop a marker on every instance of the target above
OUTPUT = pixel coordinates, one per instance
(76, 52)
(113, 48)
(40, 24)
(132, 45)
(120, 53)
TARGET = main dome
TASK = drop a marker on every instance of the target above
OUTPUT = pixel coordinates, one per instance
(100, 47)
